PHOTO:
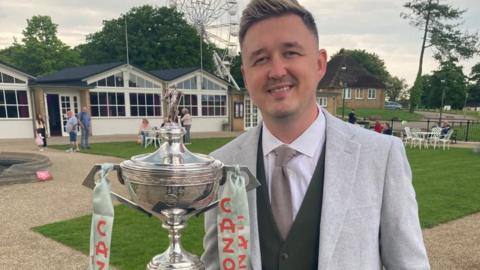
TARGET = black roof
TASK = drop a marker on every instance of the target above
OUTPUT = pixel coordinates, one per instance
(172, 74)
(17, 69)
(74, 76)
(355, 75)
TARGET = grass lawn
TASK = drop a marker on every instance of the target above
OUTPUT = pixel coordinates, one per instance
(384, 114)
(446, 183)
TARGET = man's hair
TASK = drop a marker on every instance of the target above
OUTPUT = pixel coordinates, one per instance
(258, 10)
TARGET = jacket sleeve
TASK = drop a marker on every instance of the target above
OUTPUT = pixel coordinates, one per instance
(401, 241)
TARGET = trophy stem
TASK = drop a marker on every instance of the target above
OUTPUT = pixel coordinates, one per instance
(175, 257)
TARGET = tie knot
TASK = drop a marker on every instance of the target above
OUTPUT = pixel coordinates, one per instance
(283, 154)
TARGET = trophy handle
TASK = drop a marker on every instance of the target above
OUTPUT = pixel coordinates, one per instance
(89, 182)
(250, 184)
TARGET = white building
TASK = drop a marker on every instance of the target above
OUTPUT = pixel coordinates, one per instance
(16, 113)
(119, 97)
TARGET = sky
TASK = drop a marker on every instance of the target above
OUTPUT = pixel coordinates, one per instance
(371, 25)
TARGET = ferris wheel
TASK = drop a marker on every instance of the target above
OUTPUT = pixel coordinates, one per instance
(217, 23)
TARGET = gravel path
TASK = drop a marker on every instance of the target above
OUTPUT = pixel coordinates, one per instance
(454, 245)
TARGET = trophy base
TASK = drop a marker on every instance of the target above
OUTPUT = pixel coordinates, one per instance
(184, 261)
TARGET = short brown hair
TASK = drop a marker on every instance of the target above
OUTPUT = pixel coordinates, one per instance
(258, 10)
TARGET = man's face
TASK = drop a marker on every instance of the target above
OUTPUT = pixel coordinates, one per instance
(281, 67)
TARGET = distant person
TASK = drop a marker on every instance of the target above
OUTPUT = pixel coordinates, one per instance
(378, 126)
(71, 129)
(143, 130)
(352, 119)
(187, 124)
(445, 128)
(41, 129)
(84, 120)
(388, 129)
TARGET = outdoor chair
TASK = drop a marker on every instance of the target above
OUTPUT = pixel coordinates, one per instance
(151, 137)
(417, 139)
(408, 137)
(446, 139)
(435, 136)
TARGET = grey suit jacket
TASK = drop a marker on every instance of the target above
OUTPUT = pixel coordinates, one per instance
(369, 214)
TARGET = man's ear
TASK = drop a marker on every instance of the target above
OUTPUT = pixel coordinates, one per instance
(321, 63)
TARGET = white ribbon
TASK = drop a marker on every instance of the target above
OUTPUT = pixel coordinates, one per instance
(102, 222)
(233, 223)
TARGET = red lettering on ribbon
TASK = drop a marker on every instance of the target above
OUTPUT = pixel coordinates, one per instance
(228, 264)
(101, 265)
(223, 206)
(241, 262)
(100, 226)
(101, 248)
(243, 243)
(227, 225)
(227, 248)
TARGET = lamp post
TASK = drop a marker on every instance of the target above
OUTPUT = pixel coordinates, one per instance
(441, 105)
(344, 72)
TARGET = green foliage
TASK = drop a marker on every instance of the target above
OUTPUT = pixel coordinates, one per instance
(474, 88)
(41, 51)
(440, 24)
(236, 72)
(396, 88)
(370, 61)
(416, 93)
(158, 38)
(454, 86)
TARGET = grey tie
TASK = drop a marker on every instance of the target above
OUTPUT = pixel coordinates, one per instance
(281, 197)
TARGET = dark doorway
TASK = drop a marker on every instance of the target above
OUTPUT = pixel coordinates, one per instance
(54, 120)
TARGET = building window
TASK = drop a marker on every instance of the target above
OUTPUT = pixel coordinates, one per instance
(139, 82)
(145, 104)
(111, 81)
(188, 84)
(238, 113)
(189, 102)
(359, 94)
(251, 114)
(209, 85)
(322, 101)
(107, 104)
(13, 104)
(5, 78)
(372, 93)
(214, 105)
(348, 93)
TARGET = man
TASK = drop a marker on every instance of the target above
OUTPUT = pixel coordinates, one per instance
(351, 204)
(352, 119)
(85, 127)
(71, 129)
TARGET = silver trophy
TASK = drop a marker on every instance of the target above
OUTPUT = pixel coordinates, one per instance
(172, 184)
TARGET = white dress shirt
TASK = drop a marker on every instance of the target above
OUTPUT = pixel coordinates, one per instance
(301, 168)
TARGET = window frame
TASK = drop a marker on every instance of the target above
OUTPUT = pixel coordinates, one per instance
(5, 106)
(98, 107)
(370, 95)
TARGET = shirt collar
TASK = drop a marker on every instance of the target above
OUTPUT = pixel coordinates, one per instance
(306, 143)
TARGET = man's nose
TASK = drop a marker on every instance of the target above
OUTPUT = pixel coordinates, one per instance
(278, 68)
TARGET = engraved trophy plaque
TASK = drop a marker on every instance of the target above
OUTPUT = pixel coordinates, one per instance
(172, 184)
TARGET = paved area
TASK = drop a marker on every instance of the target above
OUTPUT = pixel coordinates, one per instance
(450, 246)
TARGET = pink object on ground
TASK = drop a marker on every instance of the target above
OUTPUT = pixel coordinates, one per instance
(44, 175)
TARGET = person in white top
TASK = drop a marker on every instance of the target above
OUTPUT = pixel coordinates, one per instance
(187, 124)
(367, 214)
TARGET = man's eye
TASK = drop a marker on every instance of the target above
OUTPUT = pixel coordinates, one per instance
(260, 60)
(291, 53)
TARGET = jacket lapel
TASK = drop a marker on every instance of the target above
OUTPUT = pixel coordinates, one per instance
(341, 160)
(247, 156)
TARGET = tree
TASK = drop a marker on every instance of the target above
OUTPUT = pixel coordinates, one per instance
(440, 28)
(41, 51)
(158, 38)
(396, 88)
(474, 87)
(236, 71)
(370, 61)
(449, 79)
